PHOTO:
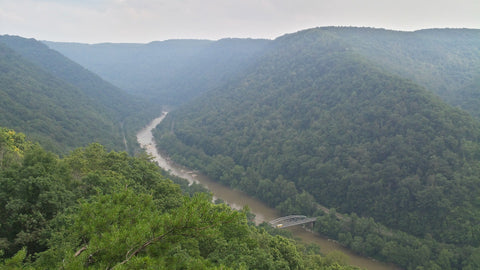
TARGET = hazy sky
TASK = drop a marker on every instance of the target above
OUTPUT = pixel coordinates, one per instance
(95, 21)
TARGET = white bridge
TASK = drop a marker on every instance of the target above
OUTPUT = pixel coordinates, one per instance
(288, 221)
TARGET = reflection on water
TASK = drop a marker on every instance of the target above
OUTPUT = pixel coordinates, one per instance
(237, 199)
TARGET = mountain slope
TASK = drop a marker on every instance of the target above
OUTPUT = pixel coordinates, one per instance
(134, 67)
(314, 115)
(468, 98)
(126, 112)
(171, 72)
(49, 110)
(116, 102)
(445, 61)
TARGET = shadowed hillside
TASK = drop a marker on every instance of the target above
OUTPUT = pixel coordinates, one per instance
(314, 117)
(171, 72)
(76, 89)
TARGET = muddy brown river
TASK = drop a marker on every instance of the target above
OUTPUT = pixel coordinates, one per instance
(237, 199)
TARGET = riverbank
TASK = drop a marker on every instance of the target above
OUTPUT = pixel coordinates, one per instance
(237, 199)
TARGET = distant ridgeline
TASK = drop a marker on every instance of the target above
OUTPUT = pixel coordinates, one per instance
(445, 61)
(342, 117)
(171, 72)
(59, 103)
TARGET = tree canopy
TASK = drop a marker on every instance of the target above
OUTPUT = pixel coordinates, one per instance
(61, 104)
(96, 209)
(316, 122)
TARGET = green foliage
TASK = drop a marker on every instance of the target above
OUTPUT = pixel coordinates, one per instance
(171, 72)
(47, 109)
(445, 61)
(111, 233)
(319, 116)
(61, 104)
(36, 190)
(315, 118)
(16, 262)
(113, 101)
(106, 210)
(12, 147)
(31, 197)
(468, 97)
(368, 238)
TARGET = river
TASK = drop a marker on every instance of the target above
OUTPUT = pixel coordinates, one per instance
(237, 199)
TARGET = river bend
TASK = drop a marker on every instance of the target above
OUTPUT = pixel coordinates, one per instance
(237, 199)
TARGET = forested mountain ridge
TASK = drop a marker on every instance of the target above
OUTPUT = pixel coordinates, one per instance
(127, 112)
(171, 71)
(49, 110)
(97, 209)
(77, 90)
(137, 68)
(319, 116)
(445, 61)
(215, 65)
(116, 102)
(315, 118)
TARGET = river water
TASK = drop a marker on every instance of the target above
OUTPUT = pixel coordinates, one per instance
(237, 199)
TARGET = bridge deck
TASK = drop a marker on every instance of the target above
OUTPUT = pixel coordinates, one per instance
(281, 219)
(288, 221)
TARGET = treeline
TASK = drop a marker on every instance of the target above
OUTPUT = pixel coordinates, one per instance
(366, 237)
(314, 122)
(362, 235)
(445, 61)
(104, 210)
(170, 72)
(62, 105)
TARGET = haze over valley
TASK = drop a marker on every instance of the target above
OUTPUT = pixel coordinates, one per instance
(374, 133)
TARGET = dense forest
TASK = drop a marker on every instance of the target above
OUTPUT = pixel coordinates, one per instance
(137, 68)
(171, 72)
(445, 61)
(61, 104)
(104, 210)
(374, 132)
(314, 121)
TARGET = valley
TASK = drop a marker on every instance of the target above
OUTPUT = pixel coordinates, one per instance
(373, 132)
(313, 121)
(237, 200)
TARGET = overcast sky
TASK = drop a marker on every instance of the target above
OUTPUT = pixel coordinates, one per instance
(94, 21)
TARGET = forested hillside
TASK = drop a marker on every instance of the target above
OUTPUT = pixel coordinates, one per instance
(445, 61)
(316, 120)
(115, 102)
(171, 72)
(102, 210)
(468, 97)
(137, 68)
(61, 104)
(353, 125)
(48, 109)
